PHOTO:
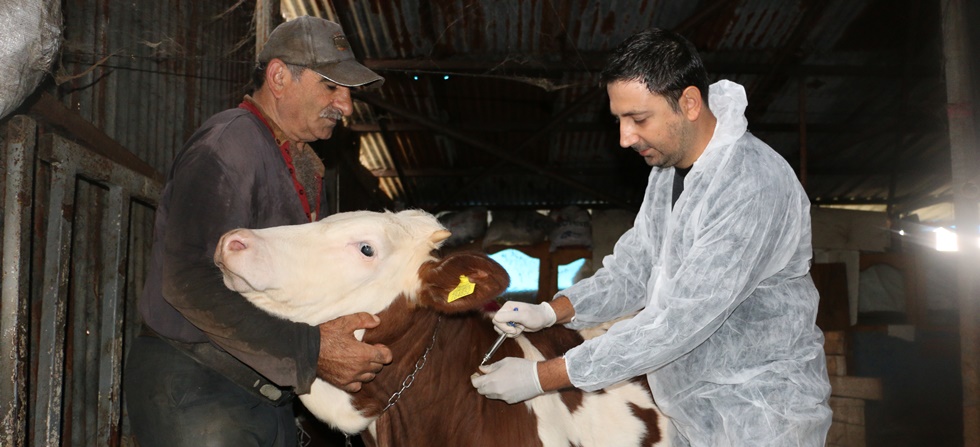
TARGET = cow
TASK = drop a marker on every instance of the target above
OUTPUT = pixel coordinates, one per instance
(433, 318)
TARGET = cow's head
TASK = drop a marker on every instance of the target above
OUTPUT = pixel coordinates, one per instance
(353, 262)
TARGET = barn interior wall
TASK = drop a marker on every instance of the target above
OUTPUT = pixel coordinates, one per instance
(133, 78)
(76, 227)
(149, 73)
(911, 350)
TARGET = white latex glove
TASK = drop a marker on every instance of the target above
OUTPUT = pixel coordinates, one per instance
(511, 380)
(516, 317)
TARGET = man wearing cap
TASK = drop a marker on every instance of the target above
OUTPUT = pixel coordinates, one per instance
(209, 368)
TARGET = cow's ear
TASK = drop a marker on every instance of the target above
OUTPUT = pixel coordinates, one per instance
(461, 281)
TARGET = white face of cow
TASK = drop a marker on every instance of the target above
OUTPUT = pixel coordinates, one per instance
(349, 262)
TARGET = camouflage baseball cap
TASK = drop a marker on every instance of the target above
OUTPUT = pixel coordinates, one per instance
(321, 46)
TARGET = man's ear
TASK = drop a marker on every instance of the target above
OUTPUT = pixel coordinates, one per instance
(691, 103)
(461, 282)
(275, 76)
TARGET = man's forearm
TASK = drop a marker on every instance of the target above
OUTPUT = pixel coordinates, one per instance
(563, 309)
(553, 375)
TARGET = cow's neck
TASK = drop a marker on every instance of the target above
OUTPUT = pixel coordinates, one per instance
(422, 410)
(408, 332)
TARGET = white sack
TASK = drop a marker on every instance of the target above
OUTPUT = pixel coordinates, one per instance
(32, 36)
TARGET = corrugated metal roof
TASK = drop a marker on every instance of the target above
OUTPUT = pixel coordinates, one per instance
(476, 94)
(513, 66)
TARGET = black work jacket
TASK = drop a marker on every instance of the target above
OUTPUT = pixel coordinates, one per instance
(230, 174)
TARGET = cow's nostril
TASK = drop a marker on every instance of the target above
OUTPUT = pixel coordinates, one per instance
(236, 245)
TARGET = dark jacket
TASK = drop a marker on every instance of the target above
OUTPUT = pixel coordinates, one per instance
(230, 174)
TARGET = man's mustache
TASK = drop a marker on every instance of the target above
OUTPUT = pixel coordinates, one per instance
(333, 114)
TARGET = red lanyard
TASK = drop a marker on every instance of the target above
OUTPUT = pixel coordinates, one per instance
(284, 150)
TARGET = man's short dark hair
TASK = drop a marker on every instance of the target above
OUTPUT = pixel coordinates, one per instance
(258, 75)
(663, 60)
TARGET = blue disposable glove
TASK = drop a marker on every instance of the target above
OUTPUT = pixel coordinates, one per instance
(516, 317)
(511, 380)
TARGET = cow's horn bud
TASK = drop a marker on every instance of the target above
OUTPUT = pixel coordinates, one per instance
(439, 236)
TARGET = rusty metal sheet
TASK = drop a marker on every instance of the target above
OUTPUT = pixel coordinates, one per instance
(49, 382)
(17, 172)
(83, 307)
(64, 303)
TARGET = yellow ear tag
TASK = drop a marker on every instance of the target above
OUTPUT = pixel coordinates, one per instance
(464, 288)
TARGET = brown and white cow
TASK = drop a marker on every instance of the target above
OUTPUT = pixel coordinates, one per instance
(384, 263)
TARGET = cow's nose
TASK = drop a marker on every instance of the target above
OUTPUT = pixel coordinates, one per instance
(230, 242)
(235, 241)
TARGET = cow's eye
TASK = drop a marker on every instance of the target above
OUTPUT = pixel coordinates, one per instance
(367, 250)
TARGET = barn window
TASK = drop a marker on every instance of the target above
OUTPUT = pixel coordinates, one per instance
(567, 273)
(537, 273)
(524, 275)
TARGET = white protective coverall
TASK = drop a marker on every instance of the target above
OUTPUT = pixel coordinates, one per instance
(727, 333)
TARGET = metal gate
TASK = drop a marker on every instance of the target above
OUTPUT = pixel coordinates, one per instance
(77, 231)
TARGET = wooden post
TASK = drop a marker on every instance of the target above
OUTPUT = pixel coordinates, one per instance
(965, 158)
(267, 17)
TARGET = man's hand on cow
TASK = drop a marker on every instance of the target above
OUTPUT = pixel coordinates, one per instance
(524, 316)
(345, 361)
(511, 380)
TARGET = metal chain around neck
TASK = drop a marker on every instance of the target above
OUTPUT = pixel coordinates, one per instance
(419, 364)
